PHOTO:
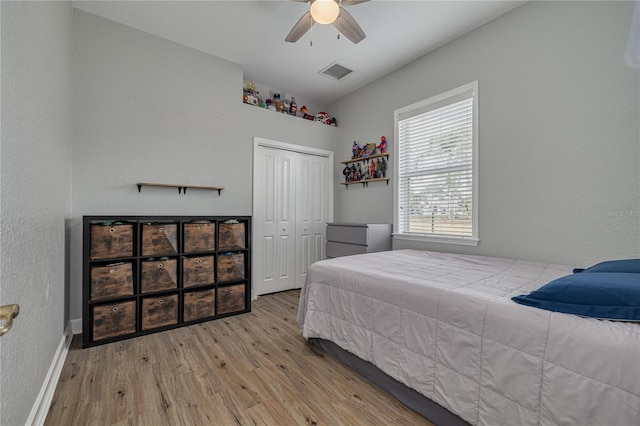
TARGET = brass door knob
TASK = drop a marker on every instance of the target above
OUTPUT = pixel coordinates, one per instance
(8, 313)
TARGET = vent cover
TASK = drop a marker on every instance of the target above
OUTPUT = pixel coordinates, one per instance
(336, 71)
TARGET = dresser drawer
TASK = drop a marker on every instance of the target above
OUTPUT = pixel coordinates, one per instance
(342, 249)
(347, 234)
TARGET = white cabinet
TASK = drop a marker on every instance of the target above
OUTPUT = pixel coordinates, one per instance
(345, 239)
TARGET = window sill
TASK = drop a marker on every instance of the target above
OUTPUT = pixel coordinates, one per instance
(437, 239)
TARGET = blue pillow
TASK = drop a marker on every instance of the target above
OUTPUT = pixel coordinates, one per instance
(627, 265)
(605, 295)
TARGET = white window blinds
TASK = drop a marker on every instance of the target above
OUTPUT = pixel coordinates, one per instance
(435, 192)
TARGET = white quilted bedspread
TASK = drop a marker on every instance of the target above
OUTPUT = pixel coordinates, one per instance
(444, 325)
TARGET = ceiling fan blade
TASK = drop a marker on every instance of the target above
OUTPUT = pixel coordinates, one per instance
(303, 25)
(349, 2)
(349, 27)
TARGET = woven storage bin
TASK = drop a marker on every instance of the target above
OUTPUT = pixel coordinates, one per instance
(199, 237)
(114, 319)
(159, 311)
(197, 271)
(232, 236)
(231, 298)
(231, 267)
(157, 275)
(199, 304)
(159, 239)
(111, 281)
(111, 241)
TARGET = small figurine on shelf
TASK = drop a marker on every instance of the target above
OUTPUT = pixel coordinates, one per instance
(378, 168)
(306, 116)
(270, 105)
(383, 145)
(368, 150)
(293, 106)
(383, 167)
(372, 170)
(322, 117)
(347, 174)
(359, 172)
(334, 122)
(355, 150)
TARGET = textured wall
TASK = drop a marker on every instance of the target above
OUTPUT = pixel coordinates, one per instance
(35, 196)
(149, 110)
(559, 171)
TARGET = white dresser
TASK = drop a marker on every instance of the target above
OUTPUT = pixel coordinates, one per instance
(345, 239)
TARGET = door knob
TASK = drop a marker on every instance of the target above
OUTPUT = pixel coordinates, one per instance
(8, 313)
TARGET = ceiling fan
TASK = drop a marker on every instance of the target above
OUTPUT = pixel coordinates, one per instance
(328, 12)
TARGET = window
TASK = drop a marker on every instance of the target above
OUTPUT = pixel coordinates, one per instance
(436, 168)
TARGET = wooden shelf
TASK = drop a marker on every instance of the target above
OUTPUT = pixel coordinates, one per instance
(371, 157)
(181, 188)
(365, 182)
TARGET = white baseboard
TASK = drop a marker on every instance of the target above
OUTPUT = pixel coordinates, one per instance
(76, 326)
(43, 401)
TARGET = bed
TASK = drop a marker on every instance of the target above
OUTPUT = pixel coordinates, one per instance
(444, 328)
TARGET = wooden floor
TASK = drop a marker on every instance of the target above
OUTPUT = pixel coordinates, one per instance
(248, 369)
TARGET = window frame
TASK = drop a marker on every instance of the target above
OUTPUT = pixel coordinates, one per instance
(417, 108)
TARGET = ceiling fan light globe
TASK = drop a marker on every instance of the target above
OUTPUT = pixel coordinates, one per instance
(324, 11)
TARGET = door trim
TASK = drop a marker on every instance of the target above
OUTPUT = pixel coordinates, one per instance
(268, 143)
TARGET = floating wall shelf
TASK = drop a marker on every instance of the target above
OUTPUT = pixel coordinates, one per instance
(181, 188)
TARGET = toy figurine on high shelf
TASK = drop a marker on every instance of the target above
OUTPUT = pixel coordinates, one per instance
(382, 148)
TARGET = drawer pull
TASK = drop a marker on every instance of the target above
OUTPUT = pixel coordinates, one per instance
(199, 261)
(159, 265)
(114, 309)
(161, 229)
(161, 301)
(112, 230)
(200, 228)
(112, 270)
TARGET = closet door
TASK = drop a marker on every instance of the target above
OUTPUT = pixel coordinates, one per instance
(275, 220)
(311, 213)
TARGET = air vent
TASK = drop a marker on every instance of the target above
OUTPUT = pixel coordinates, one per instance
(336, 71)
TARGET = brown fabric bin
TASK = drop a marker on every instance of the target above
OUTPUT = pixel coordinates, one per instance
(157, 275)
(159, 311)
(231, 267)
(232, 236)
(159, 239)
(197, 271)
(231, 298)
(199, 237)
(111, 241)
(114, 319)
(111, 281)
(199, 304)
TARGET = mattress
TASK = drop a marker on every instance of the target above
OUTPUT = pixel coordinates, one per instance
(445, 326)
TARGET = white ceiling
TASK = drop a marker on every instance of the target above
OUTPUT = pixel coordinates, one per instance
(251, 33)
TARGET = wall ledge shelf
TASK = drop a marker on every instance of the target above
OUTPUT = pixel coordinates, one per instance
(181, 188)
(370, 157)
(364, 182)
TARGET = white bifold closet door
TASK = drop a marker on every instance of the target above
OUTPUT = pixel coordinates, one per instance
(290, 217)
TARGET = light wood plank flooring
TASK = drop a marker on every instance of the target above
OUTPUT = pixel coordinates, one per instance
(248, 369)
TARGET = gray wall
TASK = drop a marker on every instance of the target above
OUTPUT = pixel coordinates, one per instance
(35, 163)
(559, 124)
(149, 110)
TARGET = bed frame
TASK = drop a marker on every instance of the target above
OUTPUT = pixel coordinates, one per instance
(409, 397)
